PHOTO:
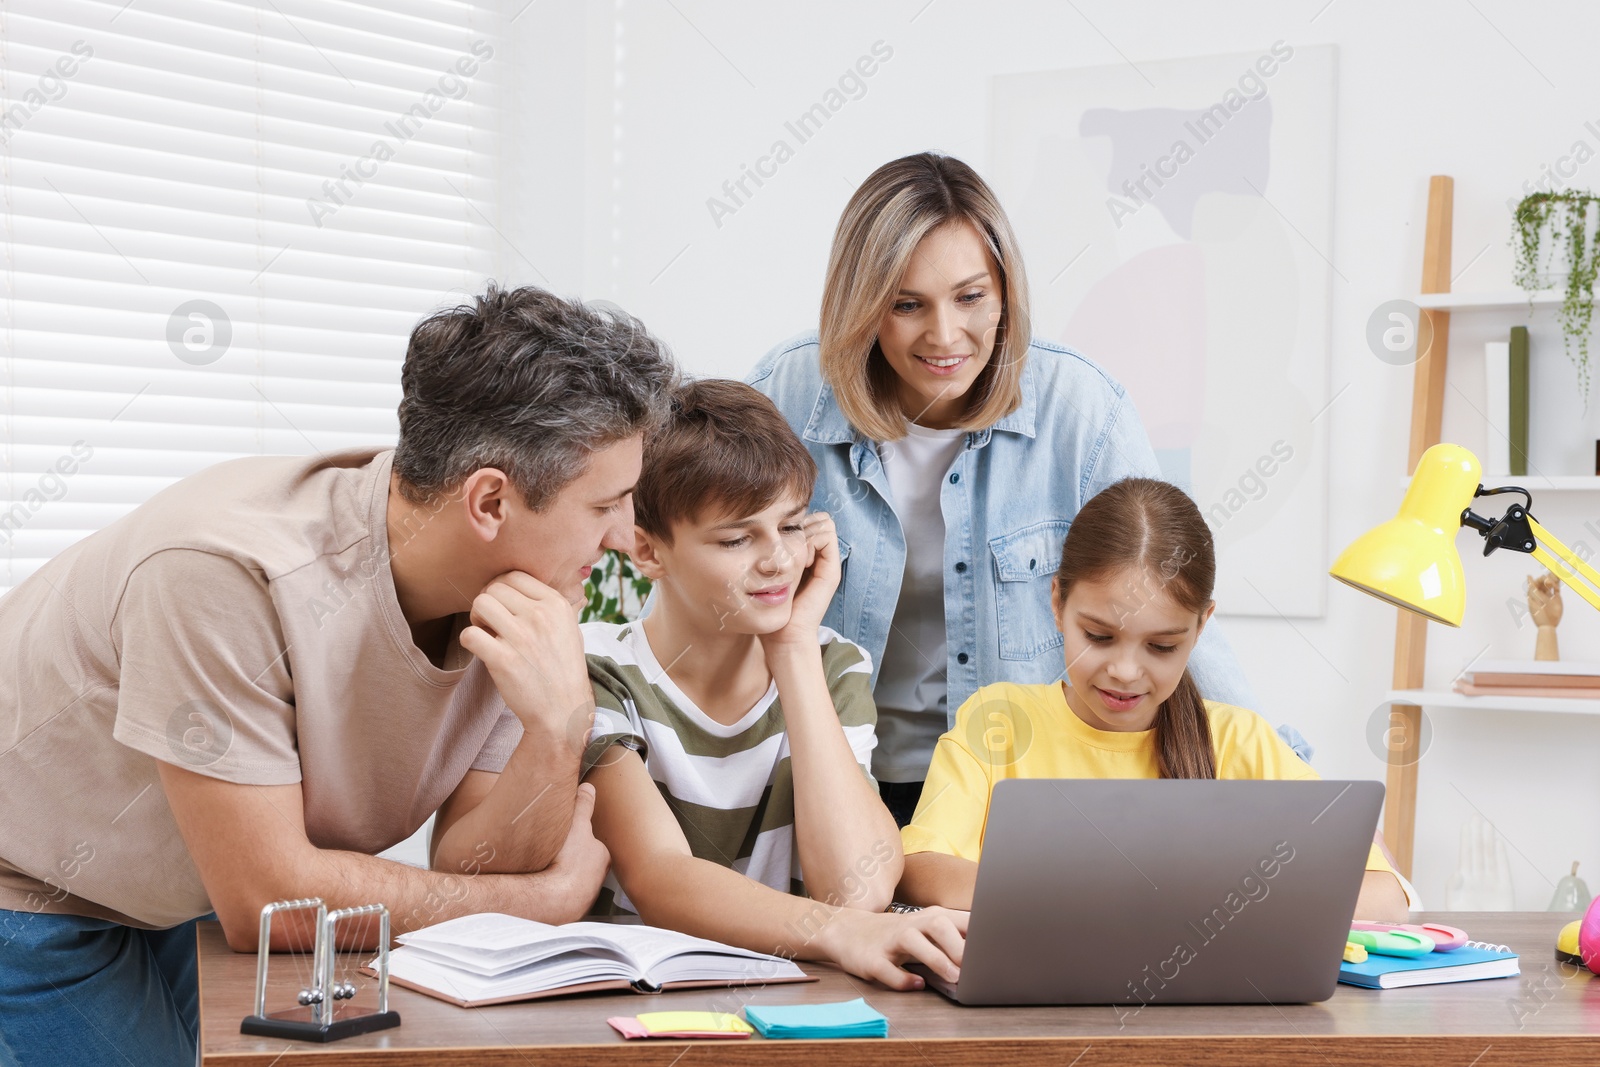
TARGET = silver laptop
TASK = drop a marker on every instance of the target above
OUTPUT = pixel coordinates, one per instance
(1138, 893)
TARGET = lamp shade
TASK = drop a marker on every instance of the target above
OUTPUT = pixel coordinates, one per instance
(1411, 561)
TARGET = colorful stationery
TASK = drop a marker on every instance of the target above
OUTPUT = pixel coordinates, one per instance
(699, 1025)
(849, 1018)
(1444, 938)
(1391, 942)
(1473, 961)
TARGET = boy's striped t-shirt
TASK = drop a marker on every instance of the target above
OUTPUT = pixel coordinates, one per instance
(728, 786)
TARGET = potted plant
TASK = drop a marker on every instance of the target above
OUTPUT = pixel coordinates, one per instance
(1555, 243)
(615, 591)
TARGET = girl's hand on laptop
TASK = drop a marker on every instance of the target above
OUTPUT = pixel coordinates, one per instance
(527, 634)
(875, 944)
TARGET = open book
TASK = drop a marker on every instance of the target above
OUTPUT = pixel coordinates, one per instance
(492, 959)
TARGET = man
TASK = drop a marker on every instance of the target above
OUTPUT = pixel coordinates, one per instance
(277, 668)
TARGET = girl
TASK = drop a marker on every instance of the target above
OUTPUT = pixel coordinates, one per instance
(1131, 598)
(953, 449)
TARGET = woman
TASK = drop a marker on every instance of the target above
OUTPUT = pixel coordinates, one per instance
(953, 450)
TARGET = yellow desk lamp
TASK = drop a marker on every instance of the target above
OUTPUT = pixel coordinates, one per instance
(1411, 561)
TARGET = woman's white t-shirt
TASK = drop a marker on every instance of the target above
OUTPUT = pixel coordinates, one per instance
(911, 690)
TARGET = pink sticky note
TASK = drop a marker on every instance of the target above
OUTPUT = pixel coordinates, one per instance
(627, 1026)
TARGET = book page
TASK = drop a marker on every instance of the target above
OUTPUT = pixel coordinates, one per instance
(667, 956)
(491, 943)
(493, 955)
(536, 978)
(722, 967)
(547, 958)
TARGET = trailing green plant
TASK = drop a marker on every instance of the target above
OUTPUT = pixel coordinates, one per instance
(615, 591)
(1569, 217)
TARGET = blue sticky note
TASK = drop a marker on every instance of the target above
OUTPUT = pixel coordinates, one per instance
(849, 1018)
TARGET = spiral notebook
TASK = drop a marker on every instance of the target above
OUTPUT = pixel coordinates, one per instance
(1469, 963)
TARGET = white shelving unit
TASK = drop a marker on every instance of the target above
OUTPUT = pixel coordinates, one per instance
(1555, 483)
(1448, 698)
(1534, 483)
(1511, 300)
(1494, 300)
(1409, 693)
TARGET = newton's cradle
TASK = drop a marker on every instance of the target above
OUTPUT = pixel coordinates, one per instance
(325, 1011)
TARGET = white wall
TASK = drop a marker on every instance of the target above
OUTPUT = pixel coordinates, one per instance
(629, 116)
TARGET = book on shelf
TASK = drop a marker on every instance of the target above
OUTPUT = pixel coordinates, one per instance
(1519, 400)
(1553, 691)
(494, 959)
(1497, 405)
(1526, 673)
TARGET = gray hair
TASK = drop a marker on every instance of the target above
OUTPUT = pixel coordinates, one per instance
(529, 383)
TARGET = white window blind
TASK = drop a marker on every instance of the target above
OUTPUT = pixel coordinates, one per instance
(317, 171)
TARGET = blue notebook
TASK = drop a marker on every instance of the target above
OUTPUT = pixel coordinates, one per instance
(1470, 962)
(850, 1018)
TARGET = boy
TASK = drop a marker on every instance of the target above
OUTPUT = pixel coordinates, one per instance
(733, 733)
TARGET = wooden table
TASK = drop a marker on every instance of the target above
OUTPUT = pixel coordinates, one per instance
(1548, 1016)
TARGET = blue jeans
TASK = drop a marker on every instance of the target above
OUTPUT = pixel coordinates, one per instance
(901, 800)
(77, 991)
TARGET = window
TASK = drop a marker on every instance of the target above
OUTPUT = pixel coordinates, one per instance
(221, 221)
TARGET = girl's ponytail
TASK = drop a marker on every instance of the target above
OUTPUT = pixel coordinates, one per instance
(1183, 734)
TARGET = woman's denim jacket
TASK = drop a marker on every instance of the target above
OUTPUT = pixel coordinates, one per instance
(1007, 503)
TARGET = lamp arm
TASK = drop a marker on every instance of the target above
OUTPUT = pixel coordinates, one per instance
(1547, 540)
(1527, 497)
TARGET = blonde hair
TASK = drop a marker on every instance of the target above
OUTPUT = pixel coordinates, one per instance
(898, 205)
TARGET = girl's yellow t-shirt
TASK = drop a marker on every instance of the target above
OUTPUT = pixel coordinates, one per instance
(1007, 730)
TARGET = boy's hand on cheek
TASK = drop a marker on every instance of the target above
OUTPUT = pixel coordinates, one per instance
(815, 587)
(527, 634)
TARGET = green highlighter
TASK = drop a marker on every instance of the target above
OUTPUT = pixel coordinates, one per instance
(1392, 942)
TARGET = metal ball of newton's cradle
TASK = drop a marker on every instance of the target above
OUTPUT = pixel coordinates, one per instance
(340, 991)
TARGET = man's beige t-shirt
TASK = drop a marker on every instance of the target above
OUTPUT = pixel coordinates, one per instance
(242, 625)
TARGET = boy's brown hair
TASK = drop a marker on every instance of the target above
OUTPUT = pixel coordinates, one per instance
(724, 447)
